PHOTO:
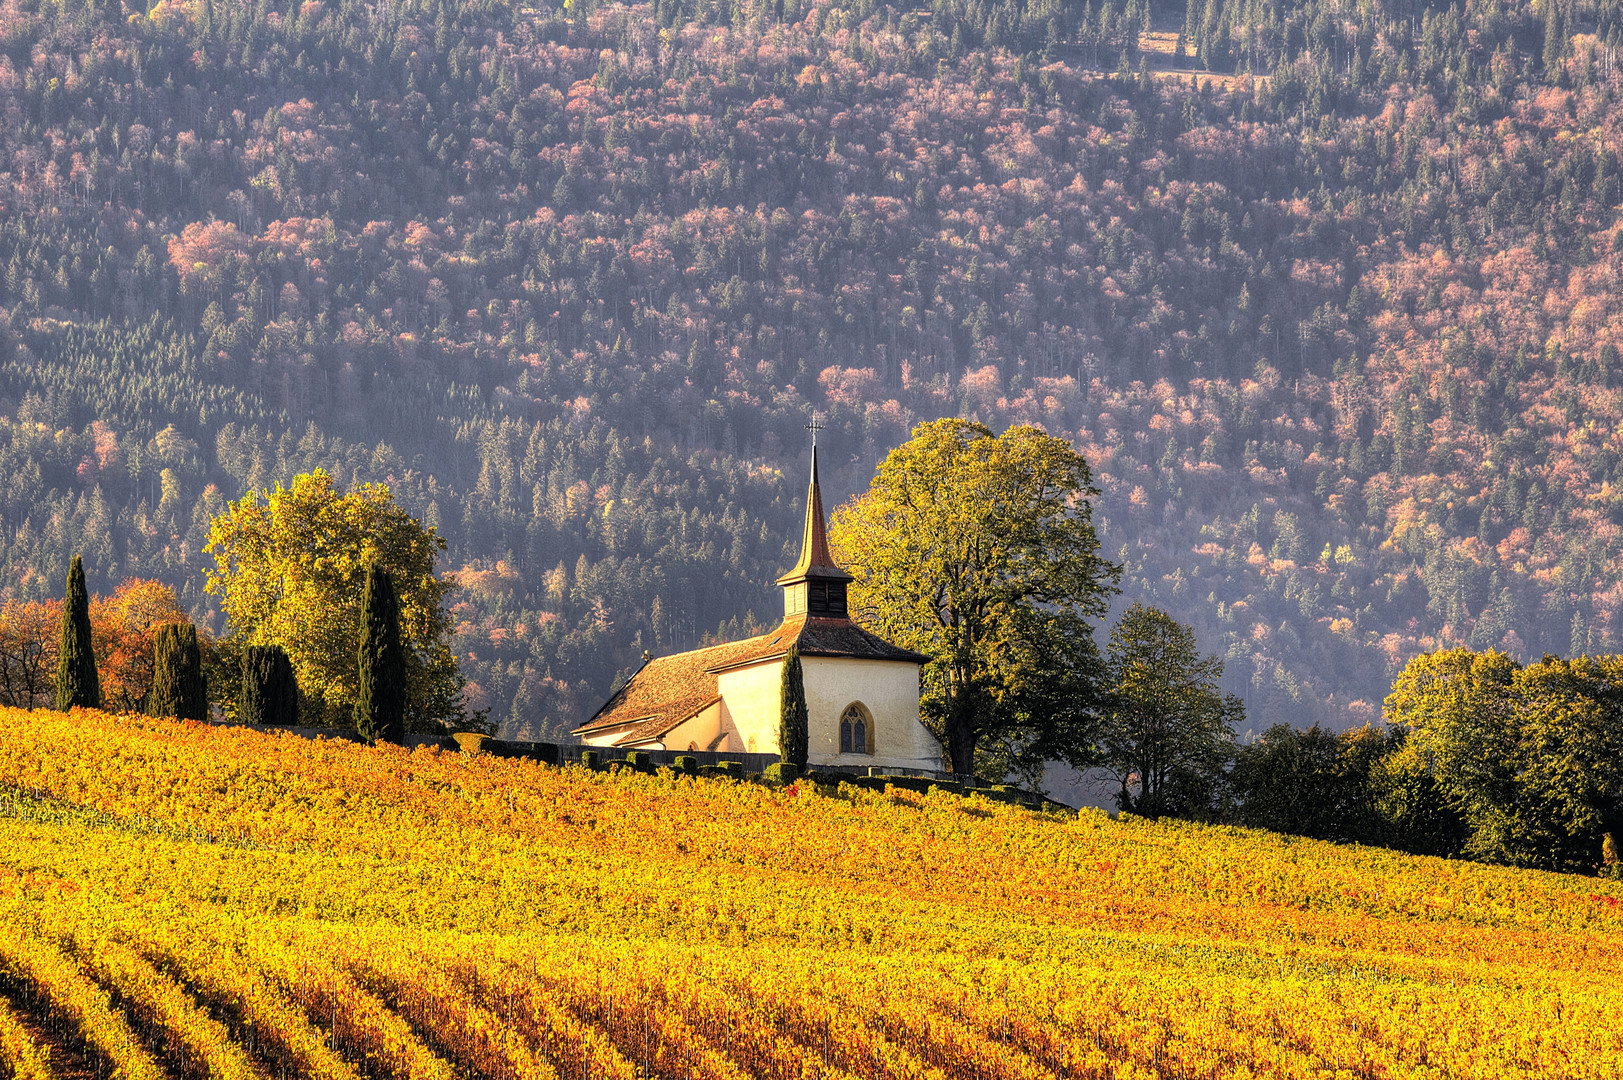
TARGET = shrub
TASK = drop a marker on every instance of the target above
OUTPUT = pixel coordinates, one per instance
(688, 766)
(178, 688)
(782, 772)
(270, 692)
(589, 759)
(639, 761)
(733, 769)
(470, 742)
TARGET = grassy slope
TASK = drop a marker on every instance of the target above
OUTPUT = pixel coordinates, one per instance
(1119, 946)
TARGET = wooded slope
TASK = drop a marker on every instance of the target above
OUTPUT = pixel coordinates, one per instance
(1339, 337)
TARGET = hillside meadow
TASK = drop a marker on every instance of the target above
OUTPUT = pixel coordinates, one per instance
(185, 901)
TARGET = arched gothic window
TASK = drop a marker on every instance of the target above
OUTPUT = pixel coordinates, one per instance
(856, 730)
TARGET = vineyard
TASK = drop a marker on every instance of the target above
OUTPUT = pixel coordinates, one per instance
(184, 901)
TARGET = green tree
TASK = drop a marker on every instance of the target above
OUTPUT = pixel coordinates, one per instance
(978, 550)
(1555, 38)
(1572, 729)
(1315, 782)
(178, 686)
(793, 735)
(380, 663)
(76, 681)
(1530, 757)
(1458, 708)
(270, 690)
(290, 567)
(1168, 730)
(1415, 813)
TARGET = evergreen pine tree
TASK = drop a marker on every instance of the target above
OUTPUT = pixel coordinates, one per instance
(76, 682)
(1555, 38)
(380, 706)
(270, 692)
(793, 736)
(178, 688)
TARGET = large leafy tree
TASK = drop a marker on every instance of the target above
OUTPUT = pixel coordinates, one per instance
(1572, 728)
(1459, 709)
(290, 570)
(125, 627)
(1168, 729)
(1531, 756)
(979, 551)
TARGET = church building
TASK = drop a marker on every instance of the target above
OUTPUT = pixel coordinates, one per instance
(862, 693)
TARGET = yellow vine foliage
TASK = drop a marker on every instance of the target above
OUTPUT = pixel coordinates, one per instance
(184, 901)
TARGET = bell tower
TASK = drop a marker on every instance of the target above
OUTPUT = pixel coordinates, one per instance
(816, 586)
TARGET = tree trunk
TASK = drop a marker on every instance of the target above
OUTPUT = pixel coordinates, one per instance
(1611, 845)
(961, 733)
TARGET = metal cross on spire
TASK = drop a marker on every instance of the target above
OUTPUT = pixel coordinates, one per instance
(814, 425)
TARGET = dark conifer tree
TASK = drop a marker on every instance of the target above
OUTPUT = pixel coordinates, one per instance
(76, 682)
(380, 706)
(178, 686)
(270, 692)
(793, 735)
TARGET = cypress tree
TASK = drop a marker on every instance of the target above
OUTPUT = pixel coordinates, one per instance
(793, 736)
(178, 688)
(76, 682)
(380, 706)
(270, 692)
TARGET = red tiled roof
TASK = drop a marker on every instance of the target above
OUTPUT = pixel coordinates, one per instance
(670, 689)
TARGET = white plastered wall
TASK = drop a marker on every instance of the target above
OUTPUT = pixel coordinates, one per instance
(889, 690)
(699, 732)
(749, 706)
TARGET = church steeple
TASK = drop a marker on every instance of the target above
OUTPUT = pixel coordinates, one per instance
(816, 585)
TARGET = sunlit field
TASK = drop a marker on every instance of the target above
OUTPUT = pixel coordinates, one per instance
(187, 901)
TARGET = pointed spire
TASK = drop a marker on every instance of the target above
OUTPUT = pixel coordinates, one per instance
(815, 562)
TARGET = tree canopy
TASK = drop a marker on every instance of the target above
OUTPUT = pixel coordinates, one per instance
(978, 550)
(1531, 756)
(290, 570)
(1168, 729)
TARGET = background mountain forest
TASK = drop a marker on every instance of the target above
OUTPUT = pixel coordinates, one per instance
(1335, 320)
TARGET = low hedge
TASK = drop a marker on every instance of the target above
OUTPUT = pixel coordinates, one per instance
(782, 772)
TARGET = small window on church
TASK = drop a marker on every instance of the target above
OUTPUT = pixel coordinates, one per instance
(856, 730)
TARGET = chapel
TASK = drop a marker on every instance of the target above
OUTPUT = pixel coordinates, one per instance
(862, 693)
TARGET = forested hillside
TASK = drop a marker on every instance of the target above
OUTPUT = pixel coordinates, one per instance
(1335, 322)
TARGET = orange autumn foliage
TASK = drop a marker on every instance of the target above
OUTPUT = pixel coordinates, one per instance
(122, 627)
